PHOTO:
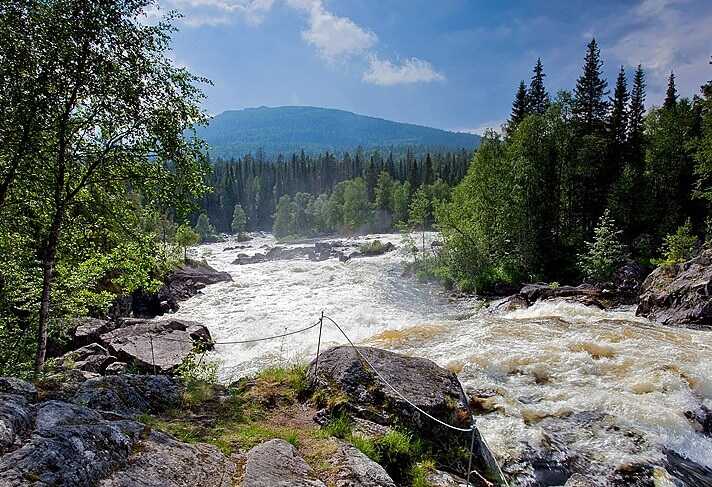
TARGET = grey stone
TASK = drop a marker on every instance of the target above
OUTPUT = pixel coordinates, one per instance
(129, 395)
(12, 385)
(679, 295)
(360, 471)
(16, 419)
(276, 463)
(116, 368)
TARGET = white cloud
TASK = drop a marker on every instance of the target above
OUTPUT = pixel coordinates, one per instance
(333, 36)
(662, 37)
(413, 70)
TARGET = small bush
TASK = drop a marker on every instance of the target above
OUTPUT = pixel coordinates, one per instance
(679, 246)
(376, 247)
(420, 471)
(339, 426)
(366, 446)
(195, 369)
(605, 253)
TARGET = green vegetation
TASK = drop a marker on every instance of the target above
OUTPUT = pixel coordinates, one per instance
(679, 246)
(545, 200)
(374, 247)
(186, 237)
(95, 164)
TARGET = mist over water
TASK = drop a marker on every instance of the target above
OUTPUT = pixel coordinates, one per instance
(605, 385)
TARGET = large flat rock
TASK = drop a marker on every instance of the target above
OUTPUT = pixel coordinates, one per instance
(276, 463)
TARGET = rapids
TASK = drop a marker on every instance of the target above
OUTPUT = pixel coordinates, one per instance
(603, 385)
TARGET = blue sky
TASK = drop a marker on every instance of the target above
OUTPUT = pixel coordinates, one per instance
(452, 64)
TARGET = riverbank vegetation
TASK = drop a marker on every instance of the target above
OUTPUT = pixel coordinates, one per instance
(580, 181)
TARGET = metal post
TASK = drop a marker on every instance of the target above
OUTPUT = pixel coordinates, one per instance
(472, 447)
(318, 344)
(153, 358)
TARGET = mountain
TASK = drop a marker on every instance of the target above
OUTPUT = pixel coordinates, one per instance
(287, 130)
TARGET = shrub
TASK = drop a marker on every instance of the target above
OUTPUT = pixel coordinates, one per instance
(339, 426)
(375, 247)
(679, 246)
(366, 446)
(420, 471)
(605, 253)
(195, 369)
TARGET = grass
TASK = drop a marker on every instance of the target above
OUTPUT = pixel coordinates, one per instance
(420, 472)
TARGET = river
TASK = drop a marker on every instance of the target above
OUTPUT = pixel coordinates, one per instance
(605, 387)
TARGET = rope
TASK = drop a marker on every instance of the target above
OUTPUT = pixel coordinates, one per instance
(398, 393)
(251, 340)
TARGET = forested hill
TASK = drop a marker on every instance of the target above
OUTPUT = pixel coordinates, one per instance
(288, 130)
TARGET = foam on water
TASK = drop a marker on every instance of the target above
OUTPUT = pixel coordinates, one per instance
(546, 367)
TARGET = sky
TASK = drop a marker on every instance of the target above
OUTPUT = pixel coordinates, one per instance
(451, 64)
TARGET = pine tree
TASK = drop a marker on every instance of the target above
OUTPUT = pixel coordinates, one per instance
(636, 114)
(520, 106)
(428, 175)
(618, 119)
(590, 106)
(538, 100)
(671, 93)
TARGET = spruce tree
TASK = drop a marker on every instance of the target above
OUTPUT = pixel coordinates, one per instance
(618, 118)
(538, 97)
(636, 114)
(671, 93)
(520, 106)
(590, 105)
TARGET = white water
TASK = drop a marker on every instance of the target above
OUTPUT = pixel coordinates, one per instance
(542, 364)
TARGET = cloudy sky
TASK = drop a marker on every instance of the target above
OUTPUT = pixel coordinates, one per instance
(452, 64)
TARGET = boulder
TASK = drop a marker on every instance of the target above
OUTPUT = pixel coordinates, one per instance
(164, 344)
(162, 461)
(116, 368)
(89, 358)
(16, 419)
(71, 445)
(357, 470)
(183, 283)
(578, 480)
(679, 295)
(129, 395)
(89, 329)
(276, 463)
(628, 280)
(74, 445)
(582, 292)
(433, 389)
(18, 387)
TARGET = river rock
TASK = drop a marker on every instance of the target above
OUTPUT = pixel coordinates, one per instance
(129, 395)
(357, 470)
(163, 343)
(628, 280)
(679, 295)
(584, 293)
(276, 463)
(435, 390)
(438, 478)
(578, 480)
(183, 283)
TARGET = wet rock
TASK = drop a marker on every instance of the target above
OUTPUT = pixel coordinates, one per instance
(541, 291)
(183, 283)
(685, 471)
(19, 387)
(276, 463)
(628, 280)
(164, 344)
(89, 358)
(679, 295)
(162, 461)
(511, 303)
(16, 419)
(357, 470)
(244, 259)
(129, 395)
(435, 390)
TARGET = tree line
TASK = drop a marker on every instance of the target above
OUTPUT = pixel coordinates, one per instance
(256, 184)
(570, 166)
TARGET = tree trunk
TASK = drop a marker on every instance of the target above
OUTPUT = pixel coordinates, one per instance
(48, 262)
